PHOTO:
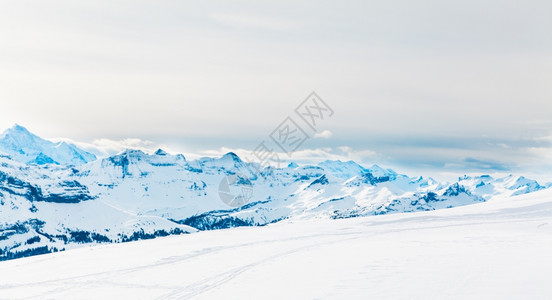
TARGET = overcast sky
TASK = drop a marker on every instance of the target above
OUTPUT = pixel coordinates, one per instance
(422, 86)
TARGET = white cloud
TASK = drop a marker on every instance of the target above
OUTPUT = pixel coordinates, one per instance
(107, 147)
(357, 155)
(206, 61)
(255, 22)
(543, 154)
(326, 134)
(303, 156)
(547, 138)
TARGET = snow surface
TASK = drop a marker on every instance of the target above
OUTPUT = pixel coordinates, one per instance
(499, 249)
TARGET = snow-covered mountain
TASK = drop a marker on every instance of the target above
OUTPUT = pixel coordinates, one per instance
(134, 195)
(24, 146)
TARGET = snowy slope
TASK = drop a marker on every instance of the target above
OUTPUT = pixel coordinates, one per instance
(499, 249)
(26, 147)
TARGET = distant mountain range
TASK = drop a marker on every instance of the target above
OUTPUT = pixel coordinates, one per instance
(55, 196)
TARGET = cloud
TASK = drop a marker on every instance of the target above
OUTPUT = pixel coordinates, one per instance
(356, 155)
(255, 22)
(110, 146)
(480, 164)
(106, 147)
(547, 138)
(326, 134)
(542, 153)
(303, 156)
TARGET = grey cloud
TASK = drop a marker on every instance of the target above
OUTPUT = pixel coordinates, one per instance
(478, 164)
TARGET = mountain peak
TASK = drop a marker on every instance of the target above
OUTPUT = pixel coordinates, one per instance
(133, 153)
(18, 127)
(342, 169)
(17, 130)
(24, 146)
(231, 155)
(161, 152)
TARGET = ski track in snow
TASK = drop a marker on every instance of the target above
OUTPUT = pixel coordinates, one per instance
(219, 279)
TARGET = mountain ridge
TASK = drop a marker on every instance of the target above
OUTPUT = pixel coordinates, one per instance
(135, 195)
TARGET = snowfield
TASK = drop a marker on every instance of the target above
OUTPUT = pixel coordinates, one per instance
(500, 249)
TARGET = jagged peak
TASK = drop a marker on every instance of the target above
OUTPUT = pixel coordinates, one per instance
(465, 177)
(231, 155)
(132, 151)
(377, 169)
(160, 152)
(18, 131)
(455, 189)
(340, 162)
(342, 169)
(18, 128)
